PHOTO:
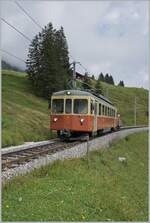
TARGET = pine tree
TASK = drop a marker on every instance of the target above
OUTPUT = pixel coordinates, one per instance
(111, 80)
(121, 83)
(107, 80)
(101, 77)
(93, 77)
(48, 61)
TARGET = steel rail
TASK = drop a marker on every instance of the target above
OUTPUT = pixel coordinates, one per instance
(16, 158)
(21, 155)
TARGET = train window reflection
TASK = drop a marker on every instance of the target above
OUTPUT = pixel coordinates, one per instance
(58, 106)
(80, 106)
(68, 108)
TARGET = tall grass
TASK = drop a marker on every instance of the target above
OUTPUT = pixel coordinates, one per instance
(25, 117)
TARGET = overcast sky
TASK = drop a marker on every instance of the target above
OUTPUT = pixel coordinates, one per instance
(105, 36)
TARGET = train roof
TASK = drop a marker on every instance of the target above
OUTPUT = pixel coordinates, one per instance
(82, 93)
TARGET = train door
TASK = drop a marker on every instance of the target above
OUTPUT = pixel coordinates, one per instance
(95, 116)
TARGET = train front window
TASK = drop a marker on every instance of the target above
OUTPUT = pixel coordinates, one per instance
(80, 106)
(57, 106)
(68, 107)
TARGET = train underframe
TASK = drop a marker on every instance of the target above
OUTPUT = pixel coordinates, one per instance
(67, 134)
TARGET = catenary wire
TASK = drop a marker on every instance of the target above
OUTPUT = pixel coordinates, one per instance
(33, 20)
(28, 37)
(16, 29)
(12, 55)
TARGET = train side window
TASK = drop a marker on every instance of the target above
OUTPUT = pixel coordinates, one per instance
(92, 107)
(68, 107)
(111, 112)
(108, 111)
(95, 108)
(100, 109)
(103, 110)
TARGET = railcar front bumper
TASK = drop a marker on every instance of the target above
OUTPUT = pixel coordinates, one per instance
(65, 133)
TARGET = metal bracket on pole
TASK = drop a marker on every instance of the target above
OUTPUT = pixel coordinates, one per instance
(74, 74)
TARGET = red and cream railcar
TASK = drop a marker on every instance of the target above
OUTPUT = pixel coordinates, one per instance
(74, 112)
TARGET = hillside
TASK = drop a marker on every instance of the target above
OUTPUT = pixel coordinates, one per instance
(124, 97)
(8, 66)
(25, 117)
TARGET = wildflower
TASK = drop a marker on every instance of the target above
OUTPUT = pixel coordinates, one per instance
(7, 206)
(20, 199)
(122, 159)
(82, 216)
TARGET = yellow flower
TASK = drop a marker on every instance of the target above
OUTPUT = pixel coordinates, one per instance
(7, 206)
(82, 216)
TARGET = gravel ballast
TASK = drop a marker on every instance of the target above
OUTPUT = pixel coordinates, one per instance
(74, 152)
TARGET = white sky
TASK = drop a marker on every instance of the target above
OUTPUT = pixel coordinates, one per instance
(105, 36)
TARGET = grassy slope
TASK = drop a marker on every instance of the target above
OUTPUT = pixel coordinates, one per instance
(70, 191)
(123, 98)
(24, 116)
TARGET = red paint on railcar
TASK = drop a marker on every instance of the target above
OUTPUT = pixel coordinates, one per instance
(72, 122)
(106, 122)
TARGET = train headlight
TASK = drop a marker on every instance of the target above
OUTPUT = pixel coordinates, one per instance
(55, 119)
(68, 92)
(118, 115)
(81, 120)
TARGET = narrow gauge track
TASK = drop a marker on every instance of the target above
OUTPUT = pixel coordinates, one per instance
(13, 159)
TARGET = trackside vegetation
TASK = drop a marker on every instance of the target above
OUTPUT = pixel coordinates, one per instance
(25, 117)
(72, 190)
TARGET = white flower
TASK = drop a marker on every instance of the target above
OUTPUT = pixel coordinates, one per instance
(121, 159)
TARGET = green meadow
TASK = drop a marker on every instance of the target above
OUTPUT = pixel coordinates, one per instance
(103, 189)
